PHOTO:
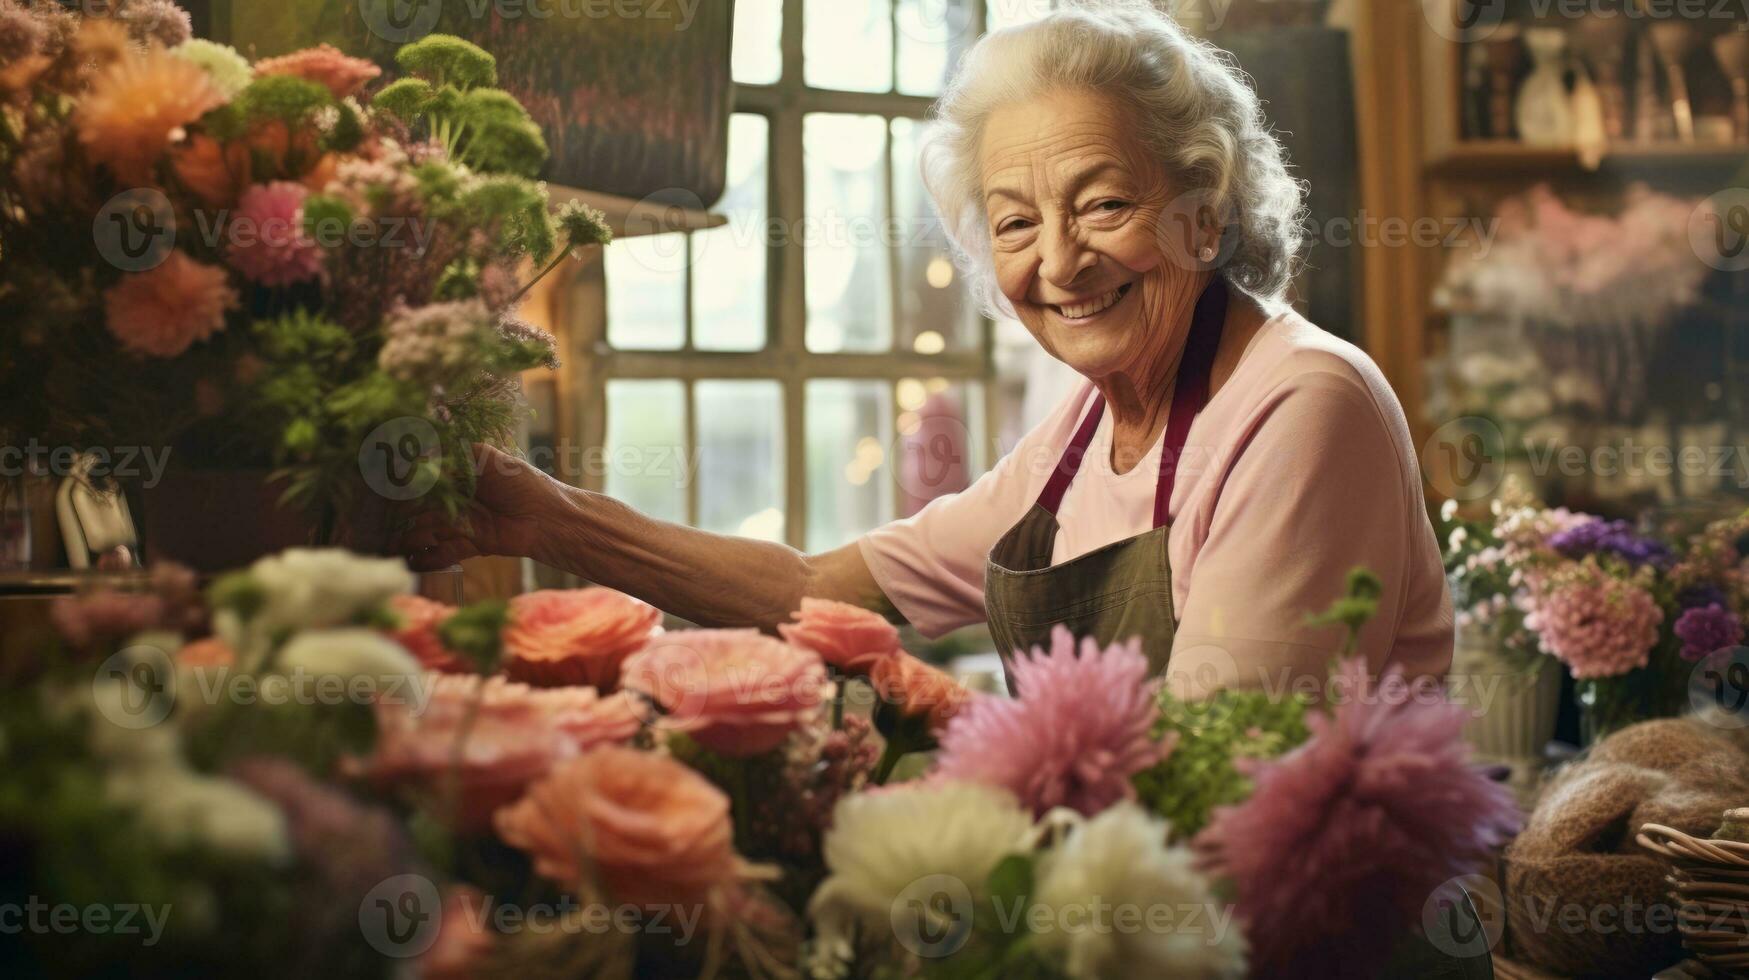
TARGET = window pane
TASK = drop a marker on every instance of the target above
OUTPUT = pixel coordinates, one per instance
(646, 292)
(848, 45)
(935, 309)
(645, 457)
(756, 57)
(848, 280)
(1008, 13)
(850, 483)
(932, 35)
(728, 263)
(740, 463)
(940, 444)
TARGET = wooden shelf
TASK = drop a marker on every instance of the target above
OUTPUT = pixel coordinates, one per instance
(1512, 159)
(631, 219)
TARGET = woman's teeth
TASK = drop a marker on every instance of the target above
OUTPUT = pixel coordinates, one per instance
(1100, 304)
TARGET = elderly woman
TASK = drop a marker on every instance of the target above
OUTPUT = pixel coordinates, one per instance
(1111, 182)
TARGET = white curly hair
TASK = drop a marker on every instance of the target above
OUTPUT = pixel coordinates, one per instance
(1195, 113)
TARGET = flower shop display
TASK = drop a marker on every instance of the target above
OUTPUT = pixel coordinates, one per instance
(307, 769)
(1629, 615)
(289, 274)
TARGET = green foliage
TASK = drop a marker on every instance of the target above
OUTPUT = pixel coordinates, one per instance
(1358, 605)
(238, 592)
(513, 210)
(1202, 771)
(285, 98)
(476, 632)
(444, 59)
(583, 225)
(493, 133)
(315, 736)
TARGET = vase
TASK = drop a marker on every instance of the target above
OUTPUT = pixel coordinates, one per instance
(1514, 705)
(1543, 113)
(216, 520)
(1609, 704)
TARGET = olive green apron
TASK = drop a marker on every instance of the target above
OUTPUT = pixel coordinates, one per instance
(1122, 590)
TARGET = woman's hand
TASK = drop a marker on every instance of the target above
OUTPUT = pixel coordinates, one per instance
(511, 500)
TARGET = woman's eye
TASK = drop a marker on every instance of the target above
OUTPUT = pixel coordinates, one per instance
(1111, 205)
(1012, 224)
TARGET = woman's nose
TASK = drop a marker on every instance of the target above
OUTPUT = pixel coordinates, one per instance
(1062, 254)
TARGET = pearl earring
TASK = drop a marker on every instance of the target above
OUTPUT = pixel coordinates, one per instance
(1208, 253)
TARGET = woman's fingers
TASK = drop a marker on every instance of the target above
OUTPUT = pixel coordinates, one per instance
(442, 556)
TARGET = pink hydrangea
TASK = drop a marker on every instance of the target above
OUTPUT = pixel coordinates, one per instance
(161, 312)
(1343, 840)
(1598, 625)
(268, 244)
(1079, 727)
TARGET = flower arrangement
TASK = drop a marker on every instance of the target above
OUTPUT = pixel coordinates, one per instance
(1627, 613)
(719, 793)
(260, 264)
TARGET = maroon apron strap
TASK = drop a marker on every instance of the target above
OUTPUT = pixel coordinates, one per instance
(1192, 391)
(1070, 464)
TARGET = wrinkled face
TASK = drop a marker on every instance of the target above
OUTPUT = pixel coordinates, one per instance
(1083, 243)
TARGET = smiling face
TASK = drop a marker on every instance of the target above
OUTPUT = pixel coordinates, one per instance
(1075, 210)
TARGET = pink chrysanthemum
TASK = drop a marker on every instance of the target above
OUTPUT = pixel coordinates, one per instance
(268, 244)
(1344, 839)
(1596, 624)
(1078, 729)
(325, 65)
(163, 310)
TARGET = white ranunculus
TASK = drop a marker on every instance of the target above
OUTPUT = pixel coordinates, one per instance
(330, 664)
(310, 588)
(182, 807)
(921, 838)
(1114, 901)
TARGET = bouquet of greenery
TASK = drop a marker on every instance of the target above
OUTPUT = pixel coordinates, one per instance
(262, 264)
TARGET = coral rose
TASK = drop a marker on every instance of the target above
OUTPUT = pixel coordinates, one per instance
(736, 692)
(325, 65)
(656, 832)
(514, 736)
(164, 310)
(848, 637)
(919, 689)
(565, 637)
(420, 618)
(213, 171)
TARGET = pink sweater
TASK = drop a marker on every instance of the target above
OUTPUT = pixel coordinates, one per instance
(1300, 468)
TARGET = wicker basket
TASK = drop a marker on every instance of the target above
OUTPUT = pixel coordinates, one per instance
(1709, 882)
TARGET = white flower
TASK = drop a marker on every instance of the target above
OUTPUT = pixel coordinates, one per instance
(309, 588)
(228, 71)
(884, 843)
(182, 807)
(362, 661)
(1113, 901)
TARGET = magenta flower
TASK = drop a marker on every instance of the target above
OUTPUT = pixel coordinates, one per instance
(1345, 838)
(1707, 630)
(268, 244)
(1078, 729)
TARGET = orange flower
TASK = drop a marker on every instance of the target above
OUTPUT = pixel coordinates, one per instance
(736, 692)
(656, 832)
(325, 65)
(165, 309)
(848, 637)
(515, 734)
(559, 637)
(214, 172)
(210, 652)
(420, 618)
(919, 689)
(137, 107)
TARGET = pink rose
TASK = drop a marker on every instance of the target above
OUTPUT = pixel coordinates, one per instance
(420, 618)
(848, 637)
(515, 736)
(656, 832)
(736, 692)
(559, 638)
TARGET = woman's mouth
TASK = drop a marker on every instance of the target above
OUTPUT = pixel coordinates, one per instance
(1086, 310)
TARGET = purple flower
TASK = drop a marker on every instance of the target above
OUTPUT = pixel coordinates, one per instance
(1609, 537)
(1078, 729)
(1345, 838)
(1707, 630)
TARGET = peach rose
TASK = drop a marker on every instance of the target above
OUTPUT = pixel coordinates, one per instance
(210, 652)
(919, 689)
(420, 618)
(736, 692)
(656, 832)
(516, 735)
(561, 637)
(848, 637)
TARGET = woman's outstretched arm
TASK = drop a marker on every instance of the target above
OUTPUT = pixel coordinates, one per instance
(710, 579)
